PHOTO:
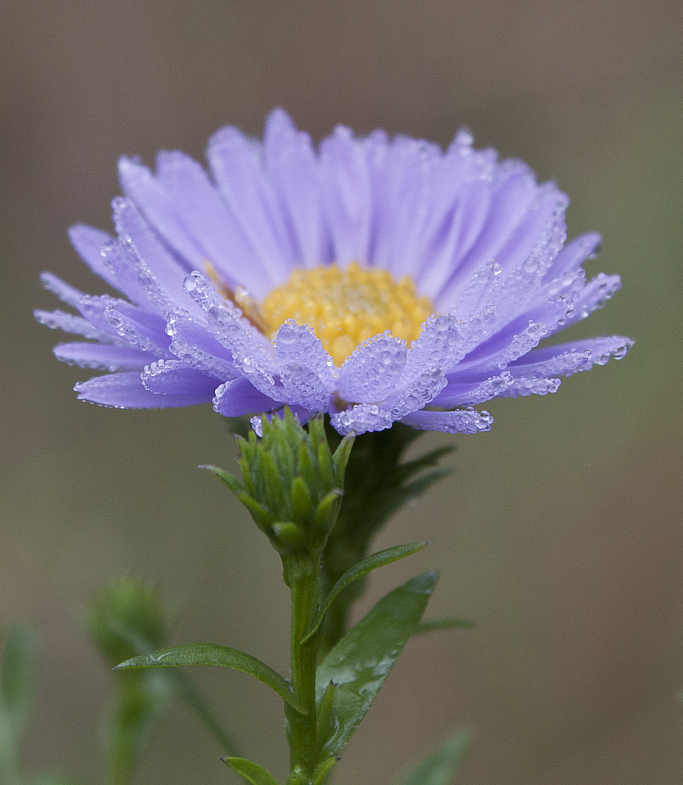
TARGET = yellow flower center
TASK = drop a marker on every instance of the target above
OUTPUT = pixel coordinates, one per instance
(346, 306)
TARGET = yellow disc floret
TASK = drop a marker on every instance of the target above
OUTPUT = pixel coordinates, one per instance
(347, 306)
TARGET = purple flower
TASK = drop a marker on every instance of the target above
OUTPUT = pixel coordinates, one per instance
(376, 279)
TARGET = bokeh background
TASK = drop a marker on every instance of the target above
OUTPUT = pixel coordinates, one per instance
(560, 531)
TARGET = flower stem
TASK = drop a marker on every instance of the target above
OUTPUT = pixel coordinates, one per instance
(302, 575)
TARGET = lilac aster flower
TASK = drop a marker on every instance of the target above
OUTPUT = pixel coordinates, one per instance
(376, 279)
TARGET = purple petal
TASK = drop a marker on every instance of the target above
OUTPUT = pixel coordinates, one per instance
(293, 170)
(373, 370)
(460, 421)
(77, 325)
(404, 187)
(304, 366)
(569, 358)
(539, 235)
(121, 319)
(126, 391)
(210, 222)
(194, 345)
(149, 255)
(345, 190)
(507, 207)
(88, 243)
(595, 295)
(440, 345)
(237, 166)
(530, 385)
(361, 418)
(470, 392)
(238, 397)
(515, 339)
(66, 293)
(249, 355)
(421, 391)
(101, 357)
(160, 210)
(172, 377)
(573, 255)
(135, 278)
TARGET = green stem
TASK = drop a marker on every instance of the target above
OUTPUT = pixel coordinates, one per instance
(302, 575)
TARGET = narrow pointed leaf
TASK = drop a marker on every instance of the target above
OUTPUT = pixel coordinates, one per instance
(211, 654)
(225, 477)
(441, 766)
(360, 570)
(250, 772)
(341, 456)
(453, 623)
(360, 663)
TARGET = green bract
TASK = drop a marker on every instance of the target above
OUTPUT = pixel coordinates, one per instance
(291, 482)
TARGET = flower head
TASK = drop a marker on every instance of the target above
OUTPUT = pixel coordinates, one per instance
(376, 279)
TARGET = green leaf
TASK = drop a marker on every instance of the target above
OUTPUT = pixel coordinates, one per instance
(225, 477)
(453, 623)
(184, 688)
(441, 766)
(360, 570)
(211, 654)
(321, 771)
(360, 663)
(17, 675)
(250, 771)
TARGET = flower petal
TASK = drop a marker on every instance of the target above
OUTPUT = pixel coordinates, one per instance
(77, 325)
(66, 293)
(293, 170)
(192, 343)
(402, 185)
(126, 391)
(569, 358)
(574, 254)
(304, 366)
(237, 166)
(101, 356)
(121, 319)
(160, 210)
(230, 330)
(210, 222)
(373, 370)
(239, 397)
(346, 195)
(150, 257)
(172, 377)
(459, 421)
(88, 243)
(361, 418)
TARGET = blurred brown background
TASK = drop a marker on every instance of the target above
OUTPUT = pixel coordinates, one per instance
(560, 531)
